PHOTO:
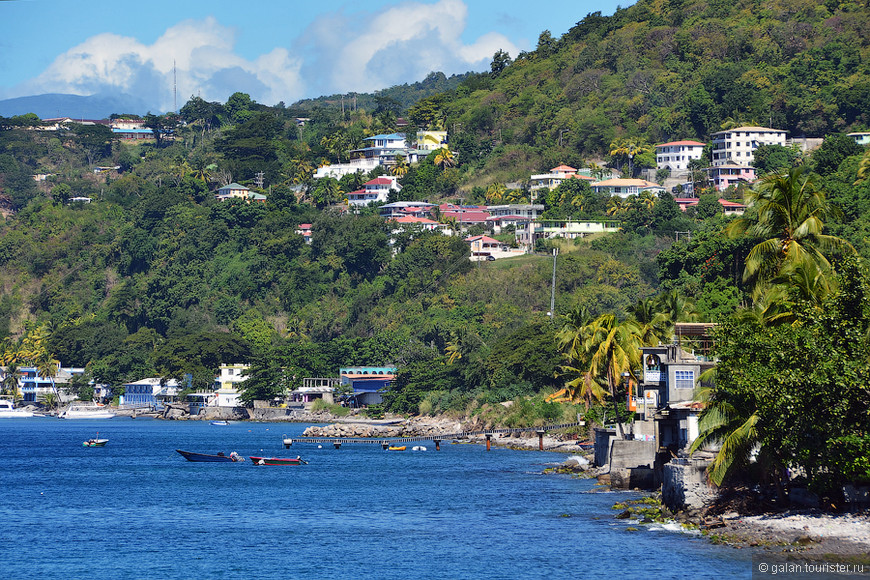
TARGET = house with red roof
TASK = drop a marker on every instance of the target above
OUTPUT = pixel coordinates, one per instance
(304, 230)
(415, 221)
(375, 191)
(676, 155)
(465, 215)
(555, 177)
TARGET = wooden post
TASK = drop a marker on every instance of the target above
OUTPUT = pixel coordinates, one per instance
(541, 440)
(437, 444)
(488, 437)
(337, 444)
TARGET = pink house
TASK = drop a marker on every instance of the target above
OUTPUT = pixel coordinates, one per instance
(724, 176)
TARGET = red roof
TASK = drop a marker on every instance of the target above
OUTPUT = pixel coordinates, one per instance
(690, 143)
(726, 203)
(578, 176)
(484, 239)
(410, 219)
(304, 226)
(563, 169)
(379, 181)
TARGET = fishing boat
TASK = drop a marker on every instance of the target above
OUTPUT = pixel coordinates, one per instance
(87, 412)
(277, 460)
(95, 443)
(8, 411)
(233, 457)
(397, 448)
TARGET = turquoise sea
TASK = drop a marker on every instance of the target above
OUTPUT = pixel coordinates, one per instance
(137, 509)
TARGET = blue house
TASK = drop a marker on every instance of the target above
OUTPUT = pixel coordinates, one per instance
(367, 383)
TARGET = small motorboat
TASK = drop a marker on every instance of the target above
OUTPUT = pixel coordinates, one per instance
(233, 457)
(220, 423)
(95, 443)
(87, 412)
(277, 460)
(401, 448)
(418, 448)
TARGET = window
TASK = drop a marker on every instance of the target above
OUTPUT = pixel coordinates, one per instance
(684, 379)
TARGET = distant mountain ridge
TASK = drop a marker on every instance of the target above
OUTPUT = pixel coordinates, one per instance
(53, 105)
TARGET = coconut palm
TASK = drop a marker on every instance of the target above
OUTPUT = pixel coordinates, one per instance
(47, 367)
(790, 220)
(495, 192)
(615, 206)
(10, 379)
(863, 168)
(613, 349)
(443, 158)
(400, 167)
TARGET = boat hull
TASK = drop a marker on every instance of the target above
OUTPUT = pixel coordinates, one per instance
(275, 461)
(95, 443)
(205, 458)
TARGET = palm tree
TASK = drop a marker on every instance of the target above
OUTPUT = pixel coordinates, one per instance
(656, 326)
(613, 349)
(615, 206)
(400, 167)
(790, 220)
(443, 158)
(733, 425)
(47, 367)
(10, 379)
(495, 192)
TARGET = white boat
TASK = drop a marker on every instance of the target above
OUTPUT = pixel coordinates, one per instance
(8, 411)
(87, 412)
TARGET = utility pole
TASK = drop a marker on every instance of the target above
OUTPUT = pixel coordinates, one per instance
(259, 179)
(552, 312)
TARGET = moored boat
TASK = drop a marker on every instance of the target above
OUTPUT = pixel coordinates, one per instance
(277, 460)
(87, 412)
(398, 448)
(8, 411)
(95, 443)
(205, 458)
(220, 423)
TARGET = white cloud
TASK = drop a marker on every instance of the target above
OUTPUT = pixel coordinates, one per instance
(399, 44)
(201, 52)
(338, 52)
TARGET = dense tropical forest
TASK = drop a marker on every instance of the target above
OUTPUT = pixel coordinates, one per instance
(155, 277)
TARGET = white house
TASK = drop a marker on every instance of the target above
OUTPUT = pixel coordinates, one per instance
(677, 154)
(227, 385)
(624, 187)
(376, 190)
(737, 146)
(555, 177)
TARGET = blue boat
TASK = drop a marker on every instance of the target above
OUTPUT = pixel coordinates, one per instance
(204, 458)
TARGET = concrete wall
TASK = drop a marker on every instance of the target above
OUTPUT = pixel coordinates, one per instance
(685, 486)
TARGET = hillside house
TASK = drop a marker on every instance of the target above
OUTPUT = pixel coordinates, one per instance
(552, 179)
(236, 191)
(676, 155)
(737, 146)
(374, 191)
(624, 187)
(227, 383)
(725, 176)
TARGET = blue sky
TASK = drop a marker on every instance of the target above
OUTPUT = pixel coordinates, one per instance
(274, 50)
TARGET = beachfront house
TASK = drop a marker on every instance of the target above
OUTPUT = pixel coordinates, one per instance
(365, 383)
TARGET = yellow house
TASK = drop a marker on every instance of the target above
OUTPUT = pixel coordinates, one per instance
(431, 140)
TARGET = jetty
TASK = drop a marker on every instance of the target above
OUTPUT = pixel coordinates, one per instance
(337, 442)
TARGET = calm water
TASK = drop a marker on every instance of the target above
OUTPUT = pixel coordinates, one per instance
(137, 509)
